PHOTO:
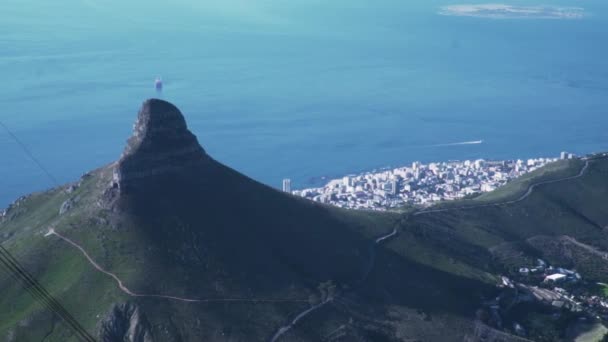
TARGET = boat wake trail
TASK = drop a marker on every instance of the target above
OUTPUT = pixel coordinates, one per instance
(473, 142)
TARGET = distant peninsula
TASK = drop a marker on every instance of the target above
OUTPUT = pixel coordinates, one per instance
(502, 11)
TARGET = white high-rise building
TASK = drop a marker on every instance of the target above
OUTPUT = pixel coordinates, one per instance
(346, 181)
(287, 185)
(394, 187)
(563, 155)
(479, 163)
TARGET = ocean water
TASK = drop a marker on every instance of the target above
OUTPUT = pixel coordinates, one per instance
(301, 88)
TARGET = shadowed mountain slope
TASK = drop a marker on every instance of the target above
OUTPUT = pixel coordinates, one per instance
(167, 220)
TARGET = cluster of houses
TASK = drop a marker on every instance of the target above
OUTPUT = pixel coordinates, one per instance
(420, 184)
(549, 273)
(557, 287)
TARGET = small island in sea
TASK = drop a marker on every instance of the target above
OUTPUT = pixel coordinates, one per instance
(503, 11)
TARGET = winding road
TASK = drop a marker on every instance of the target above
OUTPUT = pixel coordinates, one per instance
(585, 246)
(125, 289)
(282, 330)
(519, 199)
(528, 192)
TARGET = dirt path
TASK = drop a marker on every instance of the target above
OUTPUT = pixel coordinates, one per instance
(132, 293)
(282, 330)
(528, 192)
(584, 246)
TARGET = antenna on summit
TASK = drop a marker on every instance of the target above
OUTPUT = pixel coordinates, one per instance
(158, 84)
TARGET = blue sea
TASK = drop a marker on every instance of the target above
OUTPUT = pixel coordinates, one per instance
(298, 89)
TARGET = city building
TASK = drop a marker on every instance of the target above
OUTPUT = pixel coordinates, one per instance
(346, 181)
(287, 185)
(555, 277)
(394, 189)
(419, 184)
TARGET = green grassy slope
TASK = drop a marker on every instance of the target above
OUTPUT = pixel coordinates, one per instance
(462, 252)
(518, 187)
(273, 245)
(573, 208)
(227, 238)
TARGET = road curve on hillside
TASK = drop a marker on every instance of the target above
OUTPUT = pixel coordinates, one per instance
(380, 239)
(585, 246)
(282, 330)
(519, 199)
(125, 289)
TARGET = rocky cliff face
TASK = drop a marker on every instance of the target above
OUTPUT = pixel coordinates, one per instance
(125, 323)
(161, 143)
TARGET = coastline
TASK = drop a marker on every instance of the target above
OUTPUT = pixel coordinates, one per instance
(420, 184)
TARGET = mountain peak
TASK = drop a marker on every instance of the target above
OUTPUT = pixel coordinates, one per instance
(161, 143)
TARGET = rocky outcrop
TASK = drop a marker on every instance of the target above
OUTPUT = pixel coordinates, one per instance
(125, 323)
(13, 209)
(161, 143)
(65, 206)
